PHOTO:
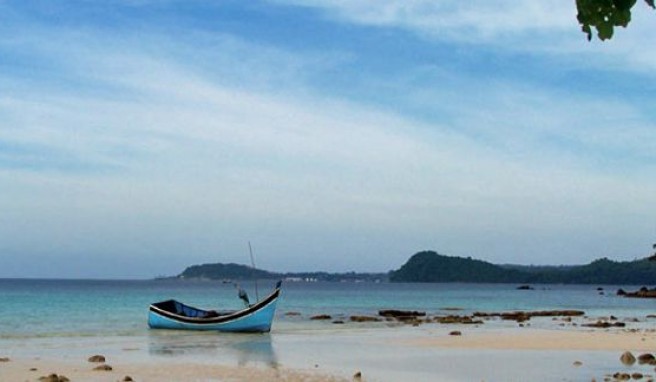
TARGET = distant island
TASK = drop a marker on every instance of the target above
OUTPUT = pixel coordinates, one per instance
(432, 267)
(231, 271)
(429, 266)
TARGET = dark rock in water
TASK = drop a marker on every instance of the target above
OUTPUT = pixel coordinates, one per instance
(4, 359)
(604, 325)
(577, 363)
(97, 358)
(127, 378)
(641, 293)
(400, 313)
(103, 367)
(33, 369)
(637, 376)
(357, 376)
(321, 317)
(627, 358)
(622, 376)
(524, 287)
(646, 358)
(455, 319)
(600, 288)
(292, 314)
(455, 333)
(521, 316)
(338, 322)
(364, 319)
(54, 378)
(410, 320)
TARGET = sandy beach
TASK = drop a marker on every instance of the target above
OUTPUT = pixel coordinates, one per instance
(425, 353)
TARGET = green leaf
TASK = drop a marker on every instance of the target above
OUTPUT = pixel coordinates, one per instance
(605, 31)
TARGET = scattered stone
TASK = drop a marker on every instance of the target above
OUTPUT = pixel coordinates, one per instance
(622, 376)
(604, 324)
(292, 314)
(338, 322)
(400, 313)
(455, 319)
(103, 367)
(97, 358)
(577, 363)
(127, 378)
(455, 333)
(33, 369)
(54, 378)
(357, 376)
(637, 375)
(627, 358)
(4, 359)
(646, 358)
(521, 316)
(364, 319)
(643, 292)
(525, 287)
(321, 317)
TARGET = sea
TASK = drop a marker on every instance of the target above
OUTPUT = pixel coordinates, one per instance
(68, 320)
(32, 308)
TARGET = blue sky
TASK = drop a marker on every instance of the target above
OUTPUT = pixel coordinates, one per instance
(139, 137)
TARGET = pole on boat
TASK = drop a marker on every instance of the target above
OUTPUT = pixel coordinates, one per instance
(250, 250)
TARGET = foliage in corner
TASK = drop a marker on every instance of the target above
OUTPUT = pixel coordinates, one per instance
(605, 15)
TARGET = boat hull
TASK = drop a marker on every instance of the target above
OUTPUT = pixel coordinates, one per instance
(256, 318)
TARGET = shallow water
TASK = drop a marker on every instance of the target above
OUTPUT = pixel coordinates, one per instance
(47, 308)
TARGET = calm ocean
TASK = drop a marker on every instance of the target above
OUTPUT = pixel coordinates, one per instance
(55, 308)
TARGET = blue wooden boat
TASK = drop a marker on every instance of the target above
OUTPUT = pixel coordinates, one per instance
(172, 314)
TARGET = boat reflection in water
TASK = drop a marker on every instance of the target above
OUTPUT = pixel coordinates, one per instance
(242, 349)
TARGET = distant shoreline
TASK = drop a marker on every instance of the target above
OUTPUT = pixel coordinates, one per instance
(431, 267)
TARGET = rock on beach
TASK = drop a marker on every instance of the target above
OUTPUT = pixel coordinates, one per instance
(364, 319)
(97, 358)
(627, 358)
(54, 378)
(321, 317)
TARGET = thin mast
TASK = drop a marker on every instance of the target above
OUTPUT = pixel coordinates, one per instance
(250, 250)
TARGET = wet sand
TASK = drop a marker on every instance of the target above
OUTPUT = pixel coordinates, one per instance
(542, 339)
(336, 353)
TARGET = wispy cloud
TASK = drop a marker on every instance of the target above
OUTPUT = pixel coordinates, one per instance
(154, 145)
(472, 21)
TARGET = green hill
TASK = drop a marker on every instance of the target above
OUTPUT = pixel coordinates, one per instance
(219, 271)
(429, 266)
(225, 271)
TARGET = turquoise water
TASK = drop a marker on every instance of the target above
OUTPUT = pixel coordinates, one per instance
(52, 308)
